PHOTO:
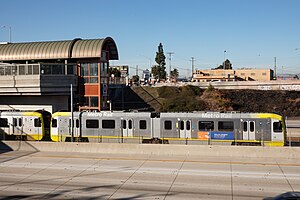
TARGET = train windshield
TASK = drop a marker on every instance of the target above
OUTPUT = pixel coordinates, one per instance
(277, 126)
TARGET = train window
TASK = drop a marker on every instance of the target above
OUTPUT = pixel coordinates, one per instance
(54, 122)
(181, 125)
(77, 123)
(15, 122)
(188, 125)
(143, 124)
(123, 124)
(92, 123)
(206, 125)
(3, 122)
(37, 122)
(225, 126)
(130, 124)
(20, 122)
(168, 125)
(277, 127)
(245, 126)
(251, 126)
(108, 124)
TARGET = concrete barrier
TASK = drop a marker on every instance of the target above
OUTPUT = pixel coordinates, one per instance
(156, 149)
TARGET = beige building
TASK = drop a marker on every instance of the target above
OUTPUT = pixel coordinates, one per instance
(244, 74)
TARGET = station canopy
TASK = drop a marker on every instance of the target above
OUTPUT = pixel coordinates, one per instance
(67, 49)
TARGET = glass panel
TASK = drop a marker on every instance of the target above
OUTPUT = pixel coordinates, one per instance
(37, 122)
(123, 124)
(70, 69)
(84, 69)
(35, 69)
(103, 69)
(54, 122)
(20, 122)
(277, 127)
(225, 126)
(181, 125)
(92, 123)
(86, 101)
(245, 126)
(251, 126)
(58, 69)
(94, 69)
(93, 79)
(143, 124)
(3, 122)
(168, 125)
(206, 125)
(2, 70)
(77, 123)
(15, 122)
(8, 71)
(94, 101)
(21, 70)
(188, 125)
(29, 69)
(130, 124)
(108, 124)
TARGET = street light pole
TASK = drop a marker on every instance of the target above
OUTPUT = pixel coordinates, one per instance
(224, 59)
(72, 114)
(9, 32)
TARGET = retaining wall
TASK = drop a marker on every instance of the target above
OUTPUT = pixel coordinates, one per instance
(155, 149)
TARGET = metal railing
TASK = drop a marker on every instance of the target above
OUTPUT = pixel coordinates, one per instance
(37, 69)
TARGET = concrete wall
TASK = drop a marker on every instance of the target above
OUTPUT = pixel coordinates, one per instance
(253, 85)
(155, 149)
(23, 102)
(37, 85)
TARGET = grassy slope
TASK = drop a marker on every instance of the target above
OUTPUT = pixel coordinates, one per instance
(190, 98)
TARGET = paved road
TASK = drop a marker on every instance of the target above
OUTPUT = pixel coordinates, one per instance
(44, 175)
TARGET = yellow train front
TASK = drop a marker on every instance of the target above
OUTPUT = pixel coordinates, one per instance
(25, 125)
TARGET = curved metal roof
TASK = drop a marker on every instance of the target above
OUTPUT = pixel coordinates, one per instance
(92, 48)
(76, 48)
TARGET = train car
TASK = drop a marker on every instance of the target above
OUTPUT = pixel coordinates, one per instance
(25, 125)
(95, 126)
(236, 128)
(239, 128)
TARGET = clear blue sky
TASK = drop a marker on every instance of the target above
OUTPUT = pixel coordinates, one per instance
(252, 32)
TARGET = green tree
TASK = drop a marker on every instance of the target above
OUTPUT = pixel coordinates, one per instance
(115, 72)
(159, 71)
(135, 78)
(227, 63)
(175, 73)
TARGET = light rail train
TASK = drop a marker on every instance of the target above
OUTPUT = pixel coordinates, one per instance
(239, 128)
(235, 128)
(25, 125)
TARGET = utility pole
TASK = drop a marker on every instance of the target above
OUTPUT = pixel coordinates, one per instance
(72, 114)
(9, 32)
(275, 68)
(193, 60)
(137, 71)
(170, 59)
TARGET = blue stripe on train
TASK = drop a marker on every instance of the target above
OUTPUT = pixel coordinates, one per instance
(222, 135)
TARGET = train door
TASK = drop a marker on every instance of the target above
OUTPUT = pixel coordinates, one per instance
(17, 125)
(248, 130)
(155, 128)
(127, 127)
(185, 130)
(76, 130)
